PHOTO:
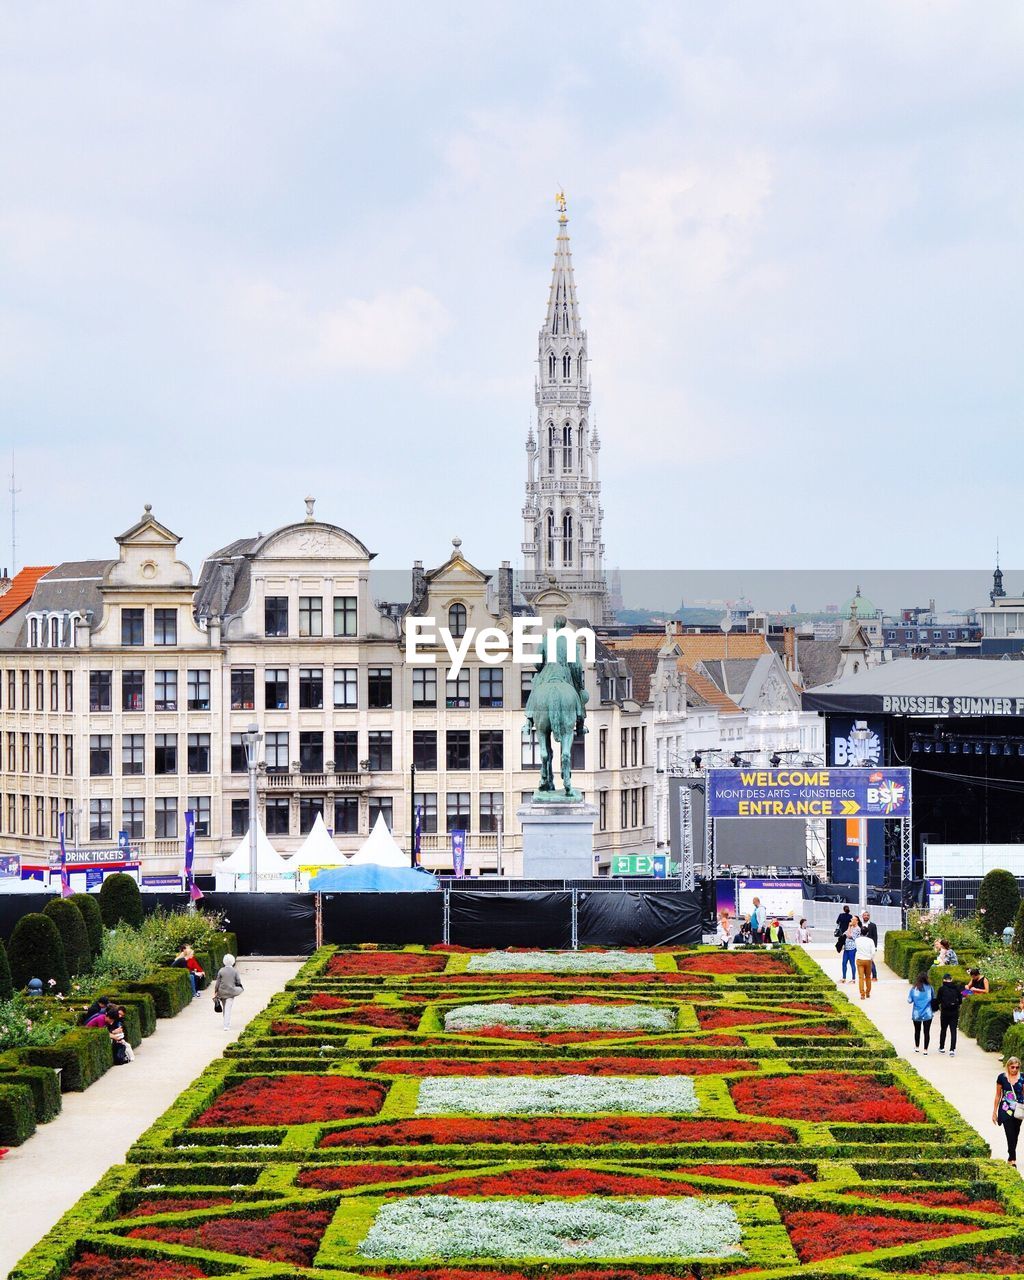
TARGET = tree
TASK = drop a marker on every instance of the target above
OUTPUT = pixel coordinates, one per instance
(71, 927)
(36, 951)
(1018, 931)
(998, 901)
(90, 909)
(120, 901)
(6, 987)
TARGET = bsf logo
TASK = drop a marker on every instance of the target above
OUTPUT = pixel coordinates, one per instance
(885, 795)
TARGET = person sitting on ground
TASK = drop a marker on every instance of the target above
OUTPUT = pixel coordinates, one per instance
(122, 1049)
(946, 954)
(976, 984)
(1018, 1013)
(803, 933)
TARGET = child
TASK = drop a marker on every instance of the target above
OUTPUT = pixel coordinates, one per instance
(803, 934)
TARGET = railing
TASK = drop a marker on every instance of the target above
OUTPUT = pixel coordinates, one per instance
(439, 841)
(315, 781)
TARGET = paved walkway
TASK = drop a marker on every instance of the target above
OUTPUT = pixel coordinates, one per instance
(968, 1081)
(42, 1179)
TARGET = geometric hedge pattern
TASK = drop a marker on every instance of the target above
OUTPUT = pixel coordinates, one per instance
(413, 1113)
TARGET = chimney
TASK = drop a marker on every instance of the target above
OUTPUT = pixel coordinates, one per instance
(789, 648)
(505, 590)
(419, 585)
(5, 583)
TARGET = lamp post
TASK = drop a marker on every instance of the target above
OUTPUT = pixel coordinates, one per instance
(252, 739)
(499, 817)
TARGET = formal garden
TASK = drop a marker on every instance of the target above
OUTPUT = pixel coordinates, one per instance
(76, 950)
(426, 1114)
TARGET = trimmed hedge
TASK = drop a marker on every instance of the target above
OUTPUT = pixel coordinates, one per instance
(17, 1113)
(6, 986)
(992, 1023)
(141, 1002)
(83, 1055)
(71, 927)
(170, 989)
(36, 951)
(998, 901)
(120, 899)
(90, 909)
(1013, 1041)
(42, 1081)
(899, 943)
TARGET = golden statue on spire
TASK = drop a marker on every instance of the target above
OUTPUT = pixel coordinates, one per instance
(560, 206)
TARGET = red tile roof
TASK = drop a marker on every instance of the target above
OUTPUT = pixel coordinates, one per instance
(21, 588)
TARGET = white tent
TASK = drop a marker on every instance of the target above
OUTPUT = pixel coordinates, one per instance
(317, 852)
(273, 873)
(12, 884)
(380, 848)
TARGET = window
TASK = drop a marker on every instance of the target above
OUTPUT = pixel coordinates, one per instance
(99, 755)
(346, 751)
(566, 366)
(492, 803)
(602, 811)
(634, 797)
(643, 806)
(54, 817)
(346, 686)
(424, 686)
(239, 762)
(634, 735)
(55, 690)
(424, 804)
(240, 816)
(457, 749)
(492, 749)
(525, 685)
(311, 615)
(69, 755)
(165, 815)
(133, 753)
(457, 811)
(199, 690)
(133, 691)
(643, 744)
(456, 691)
(311, 688)
(578, 752)
(165, 690)
(311, 751)
(99, 690)
(132, 627)
(379, 752)
(100, 819)
(199, 753)
(200, 806)
(623, 810)
(424, 749)
(551, 366)
(243, 689)
(529, 755)
(25, 816)
(623, 748)
(345, 617)
(457, 620)
(346, 815)
(275, 689)
(25, 688)
(602, 749)
(275, 617)
(309, 807)
(133, 817)
(378, 687)
(567, 536)
(165, 753)
(276, 752)
(567, 445)
(382, 806)
(276, 818)
(26, 753)
(492, 687)
(40, 753)
(39, 688)
(12, 814)
(55, 754)
(551, 448)
(12, 753)
(165, 626)
(69, 691)
(11, 688)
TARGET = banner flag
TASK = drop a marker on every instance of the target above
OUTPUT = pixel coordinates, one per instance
(418, 836)
(459, 853)
(65, 879)
(194, 892)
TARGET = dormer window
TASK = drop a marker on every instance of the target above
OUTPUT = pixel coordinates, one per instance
(457, 620)
(33, 633)
(54, 626)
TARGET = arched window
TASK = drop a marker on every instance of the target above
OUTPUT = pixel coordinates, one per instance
(552, 440)
(551, 366)
(579, 464)
(550, 558)
(579, 366)
(567, 538)
(566, 367)
(567, 447)
(457, 620)
(33, 633)
(55, 631)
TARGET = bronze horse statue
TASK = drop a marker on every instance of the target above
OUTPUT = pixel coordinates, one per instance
(556, 708)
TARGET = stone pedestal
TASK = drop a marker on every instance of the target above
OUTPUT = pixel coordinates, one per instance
(558, 840)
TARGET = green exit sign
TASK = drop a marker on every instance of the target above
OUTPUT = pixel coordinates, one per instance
(654, 865)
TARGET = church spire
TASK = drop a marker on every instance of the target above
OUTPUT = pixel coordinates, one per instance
(563, 317)
(997, 592)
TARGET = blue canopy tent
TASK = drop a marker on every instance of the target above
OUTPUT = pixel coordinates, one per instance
(372, 878)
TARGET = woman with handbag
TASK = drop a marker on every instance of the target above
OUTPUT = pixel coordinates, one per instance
(1008, 1107)
(920, 997)
(226, 987)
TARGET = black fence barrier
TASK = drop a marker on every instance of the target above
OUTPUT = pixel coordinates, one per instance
(268, 924)
(878, 896)
(383, 917)
(639, 919)
(511, 920)
(15, 905)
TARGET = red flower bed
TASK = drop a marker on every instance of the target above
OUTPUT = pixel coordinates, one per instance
(604, 1273)
(384, 962)
(816, 1235)
(999, 1262)
(734, 962)
(654, 1130)
(825, 1095)
(711, 1019)
(168, 1204)
(574, 979)
(562, 1182)
(779, 1175)
(282, 1027)
(806, 1006)
(935, 1199)
(367, 1015)
(289, 1235)
(340, 1177)
(100, 1266)
(292, 1100)
(799, 1031)
(566, 1067)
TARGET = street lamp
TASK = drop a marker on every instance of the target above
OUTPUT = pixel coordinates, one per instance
(499, 817)
(252, 739)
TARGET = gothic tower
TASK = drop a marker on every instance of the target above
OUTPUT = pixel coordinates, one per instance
(562, 547)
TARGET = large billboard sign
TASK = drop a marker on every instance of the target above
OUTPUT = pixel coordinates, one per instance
(797, 792)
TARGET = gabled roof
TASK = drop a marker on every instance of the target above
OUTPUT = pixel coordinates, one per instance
(641, 664)
(706, 646)
(22, 586)
(706, 688)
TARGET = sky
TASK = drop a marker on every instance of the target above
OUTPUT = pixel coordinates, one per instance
(250, 252)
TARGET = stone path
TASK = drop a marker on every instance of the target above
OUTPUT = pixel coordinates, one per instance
(42, 1179)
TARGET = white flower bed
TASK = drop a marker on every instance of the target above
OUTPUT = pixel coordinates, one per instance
(561, 962)
(547, 1018)
(444, 1227)
(551, 1095)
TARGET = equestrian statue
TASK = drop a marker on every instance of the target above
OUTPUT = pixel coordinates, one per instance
(556, 708)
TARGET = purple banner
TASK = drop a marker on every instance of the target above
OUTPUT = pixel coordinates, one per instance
(459, 853)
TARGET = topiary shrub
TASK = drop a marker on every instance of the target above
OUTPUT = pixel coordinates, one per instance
(998, 901)
(120, 901)
(71, 927)
(6, 986)
(90, 909)
(17, 1114)
(36, 951)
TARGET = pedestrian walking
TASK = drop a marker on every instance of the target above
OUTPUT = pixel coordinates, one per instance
(868, 926)
(842, 924)
(226, 987)
(865, 954)
(850, 949)
(758, 920)
(949, 998)
(920, 997)
(1008, 1107)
